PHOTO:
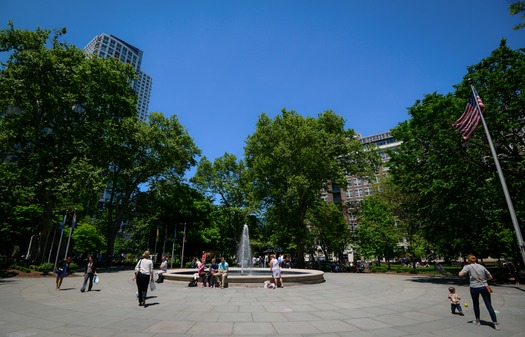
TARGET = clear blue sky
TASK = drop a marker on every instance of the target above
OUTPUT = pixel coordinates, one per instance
(218, 65)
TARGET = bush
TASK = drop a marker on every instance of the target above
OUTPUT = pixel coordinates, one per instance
(21, 268)
(44, 268)
(72, 268)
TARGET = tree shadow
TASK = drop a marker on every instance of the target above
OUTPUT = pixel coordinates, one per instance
(456, 280)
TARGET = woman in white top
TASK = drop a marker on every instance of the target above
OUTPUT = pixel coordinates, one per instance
(143, 275)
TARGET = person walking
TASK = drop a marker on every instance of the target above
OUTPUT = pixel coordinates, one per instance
(89, 272)
(478, 276)
(143, 276)
(62, 271)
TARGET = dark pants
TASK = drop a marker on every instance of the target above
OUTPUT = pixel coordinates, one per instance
(142, 286)
(454, 307)
(474, 293)
(87, 276)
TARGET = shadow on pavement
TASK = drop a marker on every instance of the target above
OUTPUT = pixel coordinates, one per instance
(440, 280)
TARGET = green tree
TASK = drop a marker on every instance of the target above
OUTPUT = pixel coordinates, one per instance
(167, 206)
(142, 152)
(289, 158)
(377, 233)
(457, 196)
(55, 105)
(227, 180)
(87, 239)
(516, 8)
(329, 228)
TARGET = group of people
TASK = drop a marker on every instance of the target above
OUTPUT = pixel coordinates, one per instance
(215, 275)
(90, 271)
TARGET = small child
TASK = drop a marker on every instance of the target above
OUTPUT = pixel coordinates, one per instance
(455, 303)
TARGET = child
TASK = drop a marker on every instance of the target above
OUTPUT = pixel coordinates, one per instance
(454, 301)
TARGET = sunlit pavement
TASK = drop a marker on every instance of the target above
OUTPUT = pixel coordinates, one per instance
(345, 305)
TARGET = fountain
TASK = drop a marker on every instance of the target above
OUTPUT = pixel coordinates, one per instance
(244, 251)
(255, 277)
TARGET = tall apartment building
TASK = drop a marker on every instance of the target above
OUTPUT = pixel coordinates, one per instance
(357, 188)
(106, 46)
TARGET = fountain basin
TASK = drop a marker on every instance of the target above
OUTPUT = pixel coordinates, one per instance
(255, 276)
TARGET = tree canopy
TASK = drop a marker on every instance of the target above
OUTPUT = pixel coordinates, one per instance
(458, 198)
(290, 157)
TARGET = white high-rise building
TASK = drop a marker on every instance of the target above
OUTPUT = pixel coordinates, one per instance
(106, 46)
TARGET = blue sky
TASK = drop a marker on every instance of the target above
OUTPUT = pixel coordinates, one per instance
(218, 65)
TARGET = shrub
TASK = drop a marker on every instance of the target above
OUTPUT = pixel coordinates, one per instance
(44, 268)
(21, 268)
(72, 268)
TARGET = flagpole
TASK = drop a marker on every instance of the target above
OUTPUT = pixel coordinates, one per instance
(173, 246)
(60, 241)
(73, 223)
(502, 180)
(183, 242)
(52, 244)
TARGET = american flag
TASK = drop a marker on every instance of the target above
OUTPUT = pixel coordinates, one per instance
(469, 121)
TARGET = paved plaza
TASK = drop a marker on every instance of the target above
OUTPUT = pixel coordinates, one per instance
(345, 305)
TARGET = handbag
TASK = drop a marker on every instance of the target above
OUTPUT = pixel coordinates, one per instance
(96, 279)
(489, 288)
(137, 268)
(152, 285)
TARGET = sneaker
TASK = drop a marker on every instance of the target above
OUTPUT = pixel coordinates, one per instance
(461, 314)
(477, 322)
(496, 326)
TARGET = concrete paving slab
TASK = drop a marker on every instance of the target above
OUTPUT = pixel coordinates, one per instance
(355, 305)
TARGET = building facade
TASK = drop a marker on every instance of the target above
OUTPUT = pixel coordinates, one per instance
(107, 46)
(358, 188)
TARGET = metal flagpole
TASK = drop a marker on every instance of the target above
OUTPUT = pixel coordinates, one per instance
(165, 239)
(60, 241)
(183, 242)
(73, 223)
(502, 180)
(173, 246)
(52, 244)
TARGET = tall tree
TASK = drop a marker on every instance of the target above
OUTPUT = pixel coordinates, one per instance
(226, 179)
(329, 228)
(454, 183)
(290, 157)
(377, 233)
(139, 152)
(55, 105)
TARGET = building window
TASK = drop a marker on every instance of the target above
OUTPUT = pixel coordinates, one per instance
(349, 193)
(358, 192)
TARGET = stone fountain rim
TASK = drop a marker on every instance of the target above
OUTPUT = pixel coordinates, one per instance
(301, 276)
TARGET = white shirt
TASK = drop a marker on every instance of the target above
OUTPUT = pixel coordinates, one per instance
(144, 266)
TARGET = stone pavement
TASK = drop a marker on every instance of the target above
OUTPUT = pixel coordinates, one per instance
(345, 305)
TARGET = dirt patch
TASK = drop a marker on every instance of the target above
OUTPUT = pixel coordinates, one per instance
(6, 273)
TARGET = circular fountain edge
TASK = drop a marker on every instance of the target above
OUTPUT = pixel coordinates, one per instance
(294, 276)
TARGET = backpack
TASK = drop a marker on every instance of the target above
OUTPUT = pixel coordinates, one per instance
(193, 283)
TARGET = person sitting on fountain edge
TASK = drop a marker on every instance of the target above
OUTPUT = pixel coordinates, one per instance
(213, 273)
(223, 272)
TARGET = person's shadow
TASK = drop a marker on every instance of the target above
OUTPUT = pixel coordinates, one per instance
(482, 322)
(149, 304)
